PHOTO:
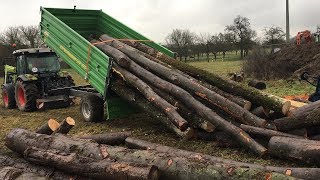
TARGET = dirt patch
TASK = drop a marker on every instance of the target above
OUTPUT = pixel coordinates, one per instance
(284, 63)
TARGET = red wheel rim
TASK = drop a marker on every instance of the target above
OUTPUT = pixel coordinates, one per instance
(21, 98)
(5, 99)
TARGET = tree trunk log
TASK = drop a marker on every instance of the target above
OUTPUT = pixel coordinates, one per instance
(221, 138)
(8, 173)
(189, 114)
(226, 85)
(303, 110)
(197, 89)
(299, 120)
(130, 95)
(302, 150)
(303, 173)
(171, 167)
(49, 127)
(189, 84)
(65, 126)
(257, 84)
(102, 169)
(266, 132)
(149, 94)
(189, 101)
(116, 138)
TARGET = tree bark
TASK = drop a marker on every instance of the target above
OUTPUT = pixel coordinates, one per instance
(190, 84)
(146, 90)
(304, 110)
(8, 173)
(266, 132)
(102, 169)
(257, 84)
(130, 95)
(303, 119)
(226, 85)
(116, 138)
(189, 101)
(261, 112)
(65, 126)
(302, 150)
(49, 127)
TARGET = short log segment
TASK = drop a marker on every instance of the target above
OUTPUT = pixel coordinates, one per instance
(116, 138)
(302, 150)
(171, 167)
(186, 98)
(257, 84)
(191, 85)
(229, 86)
(266, 132)
(300, 120)
(65, 126)
(49, 127)
(261, 112)
(303, 173)
(102, 169)
(118, 87)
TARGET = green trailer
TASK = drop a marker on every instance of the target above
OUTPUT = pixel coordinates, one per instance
(66, 32)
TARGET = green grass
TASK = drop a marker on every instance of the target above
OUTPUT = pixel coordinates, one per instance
(219, 67)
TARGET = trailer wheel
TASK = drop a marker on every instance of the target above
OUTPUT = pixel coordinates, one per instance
(92, 108)
(26, 94)
(8, 99)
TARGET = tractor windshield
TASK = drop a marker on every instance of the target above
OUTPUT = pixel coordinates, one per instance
(43, 62)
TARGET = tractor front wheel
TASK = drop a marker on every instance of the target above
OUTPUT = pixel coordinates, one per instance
(26, 94)
(92, 108)
(8, 99)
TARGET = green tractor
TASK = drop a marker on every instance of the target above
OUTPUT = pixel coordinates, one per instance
(28, 85)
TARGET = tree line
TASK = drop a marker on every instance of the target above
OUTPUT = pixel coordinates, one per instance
(238, 36)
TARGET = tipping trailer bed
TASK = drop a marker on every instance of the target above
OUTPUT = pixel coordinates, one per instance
(66, 32)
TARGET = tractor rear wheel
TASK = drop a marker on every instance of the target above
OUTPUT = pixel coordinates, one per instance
(26, 94)
(92, 108)
(8, 99)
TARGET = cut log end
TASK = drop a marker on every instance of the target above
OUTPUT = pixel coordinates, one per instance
(53, 124)
(70, 121)
(207, 126)
(247, 105)
(286, 107)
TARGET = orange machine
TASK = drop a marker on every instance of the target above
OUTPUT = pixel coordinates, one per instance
(304, 34)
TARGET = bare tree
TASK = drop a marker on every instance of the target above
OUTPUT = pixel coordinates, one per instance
(11, 36)
(243, 33)
(204, 40)
(181, 42)
(274, 35)
(31, 35)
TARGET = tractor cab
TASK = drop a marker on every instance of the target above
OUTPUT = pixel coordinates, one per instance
(36, 61)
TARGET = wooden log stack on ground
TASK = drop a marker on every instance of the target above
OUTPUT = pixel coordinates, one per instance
(87, 159)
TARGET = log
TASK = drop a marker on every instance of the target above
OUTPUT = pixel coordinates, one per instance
(261, 112)
(303, 173)
(171, 167)
(186, 98)
(257, 84)
(149, 94)
(65, 126)
(303, 110)
(49, 127)
(266, 132)
(8, 173)
(102, 169)
(128, 94)
(301, 150)
(186, 112)
(116, 138)
(248, 93)
(189, 84)
(27, 167)
(300, 120)
(220, 138)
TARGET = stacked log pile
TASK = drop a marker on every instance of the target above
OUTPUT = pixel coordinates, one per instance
(60, 156)
(197, 104)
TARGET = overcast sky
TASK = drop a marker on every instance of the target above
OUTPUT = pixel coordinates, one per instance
(156, 18)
